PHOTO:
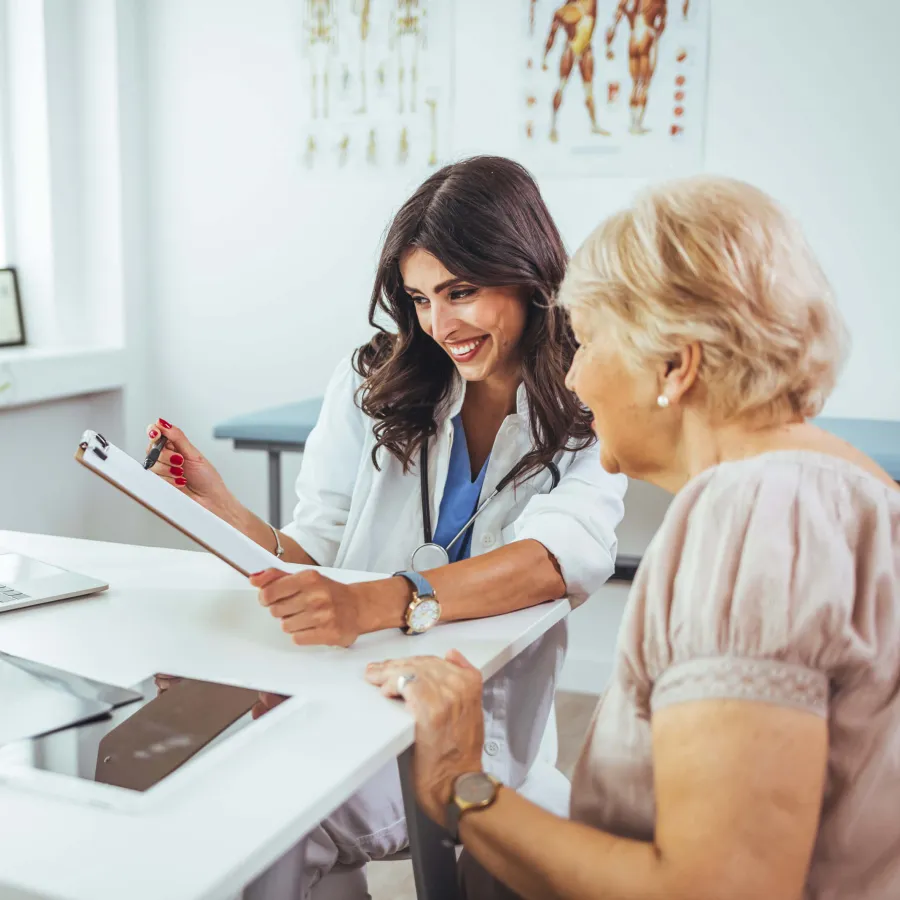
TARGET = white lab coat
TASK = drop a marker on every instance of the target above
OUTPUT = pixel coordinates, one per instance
(351, 515)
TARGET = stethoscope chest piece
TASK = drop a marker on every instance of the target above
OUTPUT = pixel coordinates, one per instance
(429, 556)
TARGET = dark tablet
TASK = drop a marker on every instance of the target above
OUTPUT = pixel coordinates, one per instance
(138, 745)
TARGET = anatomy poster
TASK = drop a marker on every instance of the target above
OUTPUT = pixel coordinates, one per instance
(376, 83)
(613, 87)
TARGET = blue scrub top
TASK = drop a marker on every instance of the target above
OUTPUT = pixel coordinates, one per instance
(460, 498)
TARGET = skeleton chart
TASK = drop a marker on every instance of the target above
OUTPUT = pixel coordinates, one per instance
(376, 83)
(613, 87)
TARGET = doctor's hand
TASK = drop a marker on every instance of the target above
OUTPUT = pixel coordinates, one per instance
(444, 696)
(185, 467)
(313, 609)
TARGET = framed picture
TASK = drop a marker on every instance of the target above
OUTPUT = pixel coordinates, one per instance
(12, 328)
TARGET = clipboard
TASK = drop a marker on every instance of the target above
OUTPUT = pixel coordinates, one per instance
(216, 535)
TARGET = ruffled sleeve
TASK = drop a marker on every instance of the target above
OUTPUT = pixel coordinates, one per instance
(753, 590)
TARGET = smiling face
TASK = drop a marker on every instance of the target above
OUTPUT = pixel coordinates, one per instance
(621, 399)
(479, 328)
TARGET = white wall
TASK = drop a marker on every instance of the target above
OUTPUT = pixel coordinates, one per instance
(76, 182)
(241, 284)
(43, 490)
(260, 280)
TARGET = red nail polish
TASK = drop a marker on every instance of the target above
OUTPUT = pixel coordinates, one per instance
(177, 471)
(256, 574)
(154, 434)
(177, 459)
(164, 423)
(181, 482)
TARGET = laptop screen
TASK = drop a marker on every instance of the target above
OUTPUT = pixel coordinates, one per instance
(138, 745)
(15, 568)
(36, 698)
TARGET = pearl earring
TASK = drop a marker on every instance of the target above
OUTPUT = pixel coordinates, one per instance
(662, 401)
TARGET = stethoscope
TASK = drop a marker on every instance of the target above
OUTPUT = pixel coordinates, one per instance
(430, 555)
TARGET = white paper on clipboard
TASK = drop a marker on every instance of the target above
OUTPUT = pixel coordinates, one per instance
(188, 516)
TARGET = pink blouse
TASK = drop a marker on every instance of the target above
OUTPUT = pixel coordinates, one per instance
(772, 579)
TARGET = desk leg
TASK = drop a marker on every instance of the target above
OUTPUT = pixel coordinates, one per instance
(275, 488)
(433, 856)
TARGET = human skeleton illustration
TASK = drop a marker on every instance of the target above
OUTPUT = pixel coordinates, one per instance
(432, 156)
(309, 156)
(349, 75)
(407, 35)
(320, 41)
(362, 8)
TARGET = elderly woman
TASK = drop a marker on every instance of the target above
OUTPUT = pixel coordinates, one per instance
(748, 745)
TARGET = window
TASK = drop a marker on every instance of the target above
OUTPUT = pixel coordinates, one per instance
(5, 209)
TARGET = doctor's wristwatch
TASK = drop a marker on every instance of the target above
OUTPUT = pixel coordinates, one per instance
(474, 790)
(423, 611)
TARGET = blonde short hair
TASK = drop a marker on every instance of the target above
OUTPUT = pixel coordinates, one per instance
(716, 261)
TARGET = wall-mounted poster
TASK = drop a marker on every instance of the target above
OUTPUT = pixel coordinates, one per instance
(613, 87)
(376, 83)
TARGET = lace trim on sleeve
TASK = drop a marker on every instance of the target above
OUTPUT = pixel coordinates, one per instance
(728, 677)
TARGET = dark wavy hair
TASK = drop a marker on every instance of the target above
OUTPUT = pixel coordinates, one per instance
(484, 219)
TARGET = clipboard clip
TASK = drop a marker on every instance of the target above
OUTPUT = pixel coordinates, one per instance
(102, 441)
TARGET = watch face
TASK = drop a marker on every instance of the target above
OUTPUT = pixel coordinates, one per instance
(475, 788)
(424, 615)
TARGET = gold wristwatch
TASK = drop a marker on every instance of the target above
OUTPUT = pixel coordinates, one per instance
(474, 790)
(423, 611)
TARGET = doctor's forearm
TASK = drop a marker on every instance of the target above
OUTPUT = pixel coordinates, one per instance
(519, 575)
(260, 532)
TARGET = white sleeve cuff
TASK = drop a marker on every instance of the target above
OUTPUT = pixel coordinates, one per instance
(321, 544)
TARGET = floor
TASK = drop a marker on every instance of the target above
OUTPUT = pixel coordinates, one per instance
(394, 880)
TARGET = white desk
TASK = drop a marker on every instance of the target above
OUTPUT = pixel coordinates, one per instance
(187, 613)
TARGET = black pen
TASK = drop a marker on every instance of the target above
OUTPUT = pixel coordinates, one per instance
(155, 450)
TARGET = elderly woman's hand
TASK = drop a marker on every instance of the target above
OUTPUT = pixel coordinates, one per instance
(444, 695)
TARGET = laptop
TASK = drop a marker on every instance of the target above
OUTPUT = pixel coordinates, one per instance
(37, 699)
(27, 582)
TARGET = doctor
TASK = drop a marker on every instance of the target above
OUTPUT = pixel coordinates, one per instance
(459, 409)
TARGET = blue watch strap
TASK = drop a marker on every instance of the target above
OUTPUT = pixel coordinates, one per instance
(418, 581)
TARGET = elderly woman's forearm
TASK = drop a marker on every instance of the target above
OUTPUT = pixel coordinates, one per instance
(543, 857)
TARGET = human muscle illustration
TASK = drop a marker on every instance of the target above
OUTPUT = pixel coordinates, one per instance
(647, 21)
(577, 20)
